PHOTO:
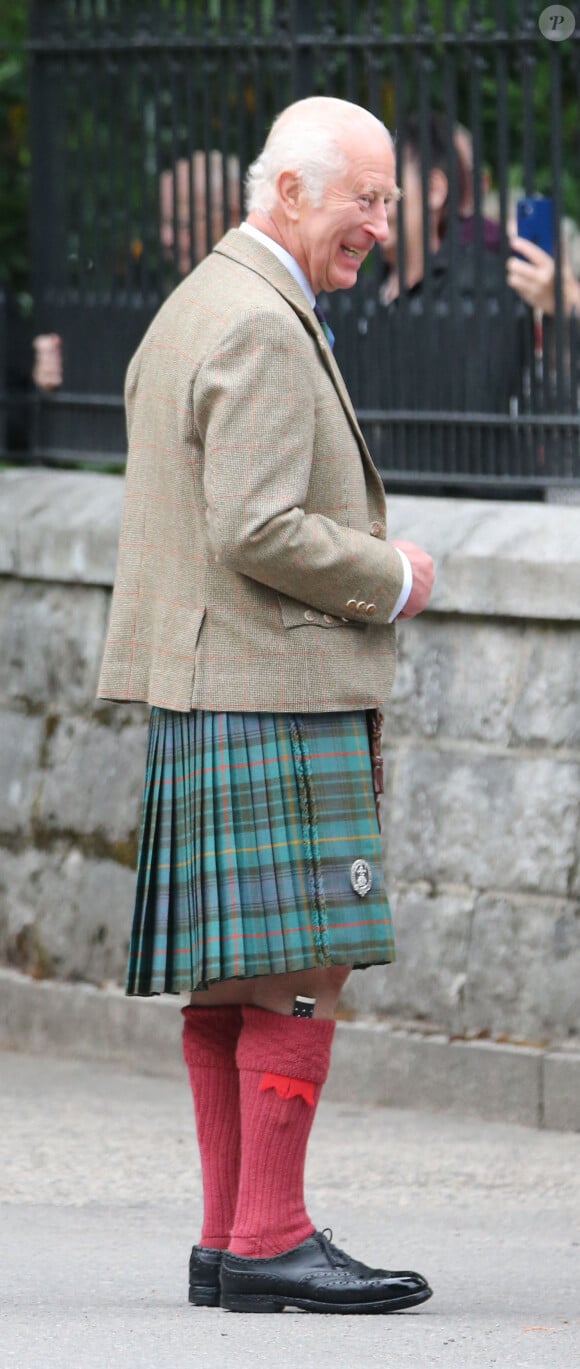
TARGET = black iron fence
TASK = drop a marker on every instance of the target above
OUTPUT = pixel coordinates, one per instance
(145, 116)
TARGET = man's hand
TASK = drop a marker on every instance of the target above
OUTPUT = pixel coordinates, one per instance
(423, 577)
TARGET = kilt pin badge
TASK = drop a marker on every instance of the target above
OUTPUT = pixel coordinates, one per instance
(361, 877)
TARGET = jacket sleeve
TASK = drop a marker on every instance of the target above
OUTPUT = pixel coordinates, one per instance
(254, 409)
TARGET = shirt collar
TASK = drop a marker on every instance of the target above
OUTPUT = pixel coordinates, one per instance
(287, 260)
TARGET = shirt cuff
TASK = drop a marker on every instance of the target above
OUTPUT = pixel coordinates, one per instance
(407, 586)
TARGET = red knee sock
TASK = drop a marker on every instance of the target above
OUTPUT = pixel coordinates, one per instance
(283, 1062)
(209, 1041)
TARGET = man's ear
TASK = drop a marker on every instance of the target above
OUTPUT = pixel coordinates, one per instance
(438, 189)
(289, 186)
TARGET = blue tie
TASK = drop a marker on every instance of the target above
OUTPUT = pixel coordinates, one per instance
(327, 330)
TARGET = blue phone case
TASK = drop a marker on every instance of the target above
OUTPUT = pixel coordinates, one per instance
(535, 219)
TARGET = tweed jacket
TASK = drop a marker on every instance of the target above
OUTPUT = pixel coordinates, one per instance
(253, 570)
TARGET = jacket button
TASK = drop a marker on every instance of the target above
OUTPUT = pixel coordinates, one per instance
(328, 618)
(377, 529)
(371, 608)
(310, 615)
(362, 604)
(351, 603)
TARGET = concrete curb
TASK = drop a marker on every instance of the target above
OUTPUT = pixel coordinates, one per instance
(373, 1062)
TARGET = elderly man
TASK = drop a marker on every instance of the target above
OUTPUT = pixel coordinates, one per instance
(253, 608)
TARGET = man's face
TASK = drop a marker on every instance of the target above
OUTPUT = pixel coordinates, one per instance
(332, 239)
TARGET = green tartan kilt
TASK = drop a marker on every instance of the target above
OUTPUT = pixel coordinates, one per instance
(250, 828)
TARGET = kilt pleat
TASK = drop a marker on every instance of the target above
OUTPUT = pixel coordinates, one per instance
(309, 816)
(250, 826)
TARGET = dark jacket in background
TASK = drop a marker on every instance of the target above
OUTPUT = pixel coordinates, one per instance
(454, 341)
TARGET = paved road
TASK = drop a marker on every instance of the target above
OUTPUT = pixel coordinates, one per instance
(99, 1194)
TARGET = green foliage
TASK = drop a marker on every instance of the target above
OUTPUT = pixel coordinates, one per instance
(14, 150)
(534, 68)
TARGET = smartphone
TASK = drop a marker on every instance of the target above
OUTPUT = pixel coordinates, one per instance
(535, 220)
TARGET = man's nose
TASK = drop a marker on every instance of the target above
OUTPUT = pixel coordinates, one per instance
(379, 222)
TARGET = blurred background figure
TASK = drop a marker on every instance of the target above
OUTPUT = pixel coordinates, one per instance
(442, 222)
(451, 340)
(412, 215)
(202, 193)
(463, 144)
(199, 199)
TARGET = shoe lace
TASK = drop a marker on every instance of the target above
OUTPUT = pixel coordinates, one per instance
(336, 1256)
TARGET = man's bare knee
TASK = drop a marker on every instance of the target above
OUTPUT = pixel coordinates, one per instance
(325, 986)
(278, 992)
(337, 975)
(324, 982)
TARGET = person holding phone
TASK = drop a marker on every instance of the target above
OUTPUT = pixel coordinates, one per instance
(451, 293)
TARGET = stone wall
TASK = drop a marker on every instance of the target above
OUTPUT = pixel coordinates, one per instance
(481, 829)
(482, 761)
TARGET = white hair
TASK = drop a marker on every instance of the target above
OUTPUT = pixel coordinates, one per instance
(305, 138)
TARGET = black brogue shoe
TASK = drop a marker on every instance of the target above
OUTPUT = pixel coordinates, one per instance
(204, 1276)
(316, 1277)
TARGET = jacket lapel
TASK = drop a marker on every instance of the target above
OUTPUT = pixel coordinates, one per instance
(252, 254)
